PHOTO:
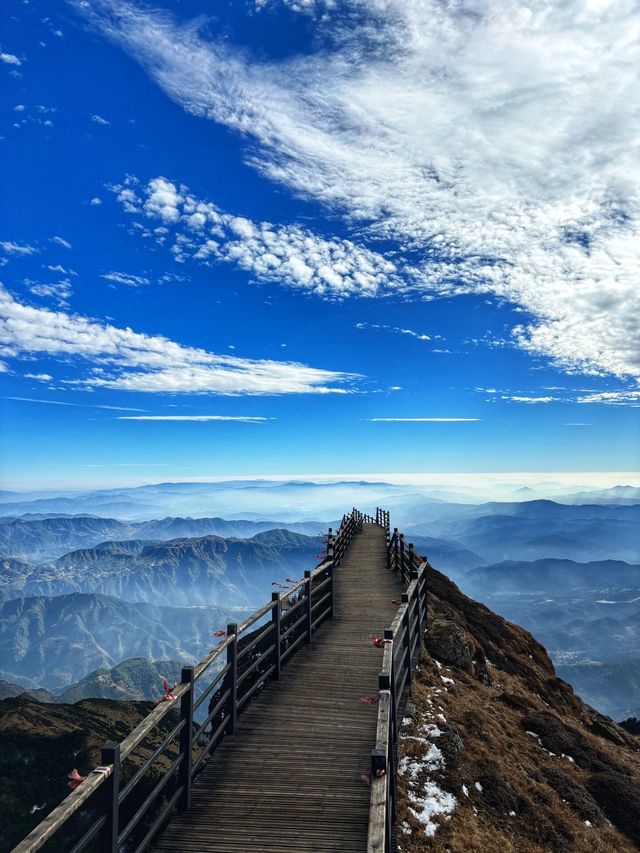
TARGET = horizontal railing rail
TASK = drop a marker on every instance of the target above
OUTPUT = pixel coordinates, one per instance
(113, 807)
(402, 648)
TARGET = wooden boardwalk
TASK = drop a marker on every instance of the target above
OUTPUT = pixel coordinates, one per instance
(288, 779)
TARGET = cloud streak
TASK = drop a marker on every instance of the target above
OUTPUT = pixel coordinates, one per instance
(198, 418)
(424, 420)
(122, 359)
(493, 143)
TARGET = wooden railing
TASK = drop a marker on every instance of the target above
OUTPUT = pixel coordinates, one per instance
(113, 806)
(403, 642)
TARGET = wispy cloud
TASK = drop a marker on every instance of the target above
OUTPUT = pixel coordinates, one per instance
(17, 248)
(483, 138)
(198, 418)
(59, 291)
(41, 377)
(383, 327)
(97, 119)
(60, 241)
(517, 398)
(126, 278)
(73, 405)
(131, 361)
(287, 254)
(424, 420)
(612, 398)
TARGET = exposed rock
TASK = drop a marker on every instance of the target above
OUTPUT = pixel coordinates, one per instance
(447, 643)
(607, 729)
(451, 745)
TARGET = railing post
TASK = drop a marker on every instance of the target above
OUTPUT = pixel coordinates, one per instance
(232, 676)
(111, 787)
(330, 542)
(186, 739)
(276, 613)
(401, 555)
(307, 578)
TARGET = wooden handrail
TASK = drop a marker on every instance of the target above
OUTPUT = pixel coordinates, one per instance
(280, 649)
(403, 644)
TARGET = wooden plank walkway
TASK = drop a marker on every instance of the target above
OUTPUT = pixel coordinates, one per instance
(288, 779)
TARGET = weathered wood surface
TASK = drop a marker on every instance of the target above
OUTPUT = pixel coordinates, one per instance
(288, 779)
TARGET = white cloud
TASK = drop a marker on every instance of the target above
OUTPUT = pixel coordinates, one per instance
(59, 268)
(383, 327)
(99, 120)
(10, 59)
(61, 242)
(95, 201)
(59, 291)
(198, 418)
(19, 108)
(41, 377)
(287, 254)
(519, 399)
(131, 361)
(126, 278)
(424, 420)
(612, 398)
(497, 143)
(17, 248)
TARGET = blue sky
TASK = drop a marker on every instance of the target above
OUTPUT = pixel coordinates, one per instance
(263, 238)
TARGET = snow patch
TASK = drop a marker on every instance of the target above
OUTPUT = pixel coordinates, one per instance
(478, 786)
(433, 802)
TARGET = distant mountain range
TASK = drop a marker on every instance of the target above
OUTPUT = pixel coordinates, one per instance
(52, 642)
(292, 501)
(537, 529)
(41, 538)
(204, 570)
(550, 576)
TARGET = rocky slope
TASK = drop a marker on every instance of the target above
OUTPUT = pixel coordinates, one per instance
(497, 753)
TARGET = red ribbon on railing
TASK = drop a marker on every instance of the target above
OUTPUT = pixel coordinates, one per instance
(221, 633)
(368, 700)
(168, 692)
(395, 602)
(378, 642)
(75, 779)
